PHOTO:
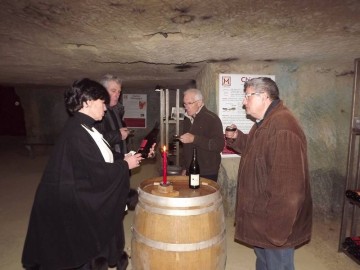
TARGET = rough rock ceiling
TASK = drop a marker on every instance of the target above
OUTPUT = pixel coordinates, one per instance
(166, 41)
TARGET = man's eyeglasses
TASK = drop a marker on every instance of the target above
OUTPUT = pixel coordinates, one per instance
(191, 103)
(247, 96)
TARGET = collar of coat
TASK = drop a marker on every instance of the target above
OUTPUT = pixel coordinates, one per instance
(192, 118)
(269, 109)
(85, 119)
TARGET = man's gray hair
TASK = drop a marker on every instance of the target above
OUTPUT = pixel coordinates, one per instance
(197, 93)
(264, 84)
(109, 78)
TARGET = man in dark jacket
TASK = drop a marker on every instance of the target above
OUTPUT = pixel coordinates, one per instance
(274, 204)
(115, 133)
(112, 126)
(203, 130)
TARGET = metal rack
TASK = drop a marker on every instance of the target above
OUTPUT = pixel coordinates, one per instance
(165, 121)
(351, 211)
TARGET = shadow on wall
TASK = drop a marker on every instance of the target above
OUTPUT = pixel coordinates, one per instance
(327, 192)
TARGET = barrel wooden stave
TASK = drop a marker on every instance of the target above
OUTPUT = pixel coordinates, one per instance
(165, 238)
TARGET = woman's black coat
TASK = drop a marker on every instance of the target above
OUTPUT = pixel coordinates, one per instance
(79, 202)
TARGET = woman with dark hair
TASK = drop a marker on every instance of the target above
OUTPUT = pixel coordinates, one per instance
(80, 201)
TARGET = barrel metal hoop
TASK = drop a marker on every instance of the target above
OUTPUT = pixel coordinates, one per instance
(179, 247)
(181, 212)
(179, 202)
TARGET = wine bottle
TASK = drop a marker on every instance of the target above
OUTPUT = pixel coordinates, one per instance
(353, 194)
(194, 172)
(148, 141)
(352, 242)
(349, 194)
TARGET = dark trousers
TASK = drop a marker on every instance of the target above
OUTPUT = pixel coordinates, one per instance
(274, 259)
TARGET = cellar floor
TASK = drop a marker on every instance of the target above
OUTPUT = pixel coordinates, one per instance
(20, 174)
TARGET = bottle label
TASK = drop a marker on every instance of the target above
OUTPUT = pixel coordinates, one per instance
(194, 179)
(143, 143)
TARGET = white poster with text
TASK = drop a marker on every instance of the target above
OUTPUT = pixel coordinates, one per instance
(135, 106)
(231, 95)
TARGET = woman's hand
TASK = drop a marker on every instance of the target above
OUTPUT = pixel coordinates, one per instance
(152, 151)
(133, 160)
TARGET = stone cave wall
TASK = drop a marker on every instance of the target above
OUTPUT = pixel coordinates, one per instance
(319, 94)
(44, 112)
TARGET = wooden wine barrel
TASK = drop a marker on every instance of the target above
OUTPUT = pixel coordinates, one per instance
(184, 231)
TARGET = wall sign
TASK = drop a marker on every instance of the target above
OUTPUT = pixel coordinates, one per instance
(231, 95)
(135, 110)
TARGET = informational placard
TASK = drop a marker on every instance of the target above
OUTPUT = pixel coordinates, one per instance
(231, 111)
(135, 106)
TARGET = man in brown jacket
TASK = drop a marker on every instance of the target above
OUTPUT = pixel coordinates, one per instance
(274, 205)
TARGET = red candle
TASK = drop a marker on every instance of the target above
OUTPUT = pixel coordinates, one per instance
(164, 165)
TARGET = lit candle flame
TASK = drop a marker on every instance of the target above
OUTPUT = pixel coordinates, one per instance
(164, 154)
